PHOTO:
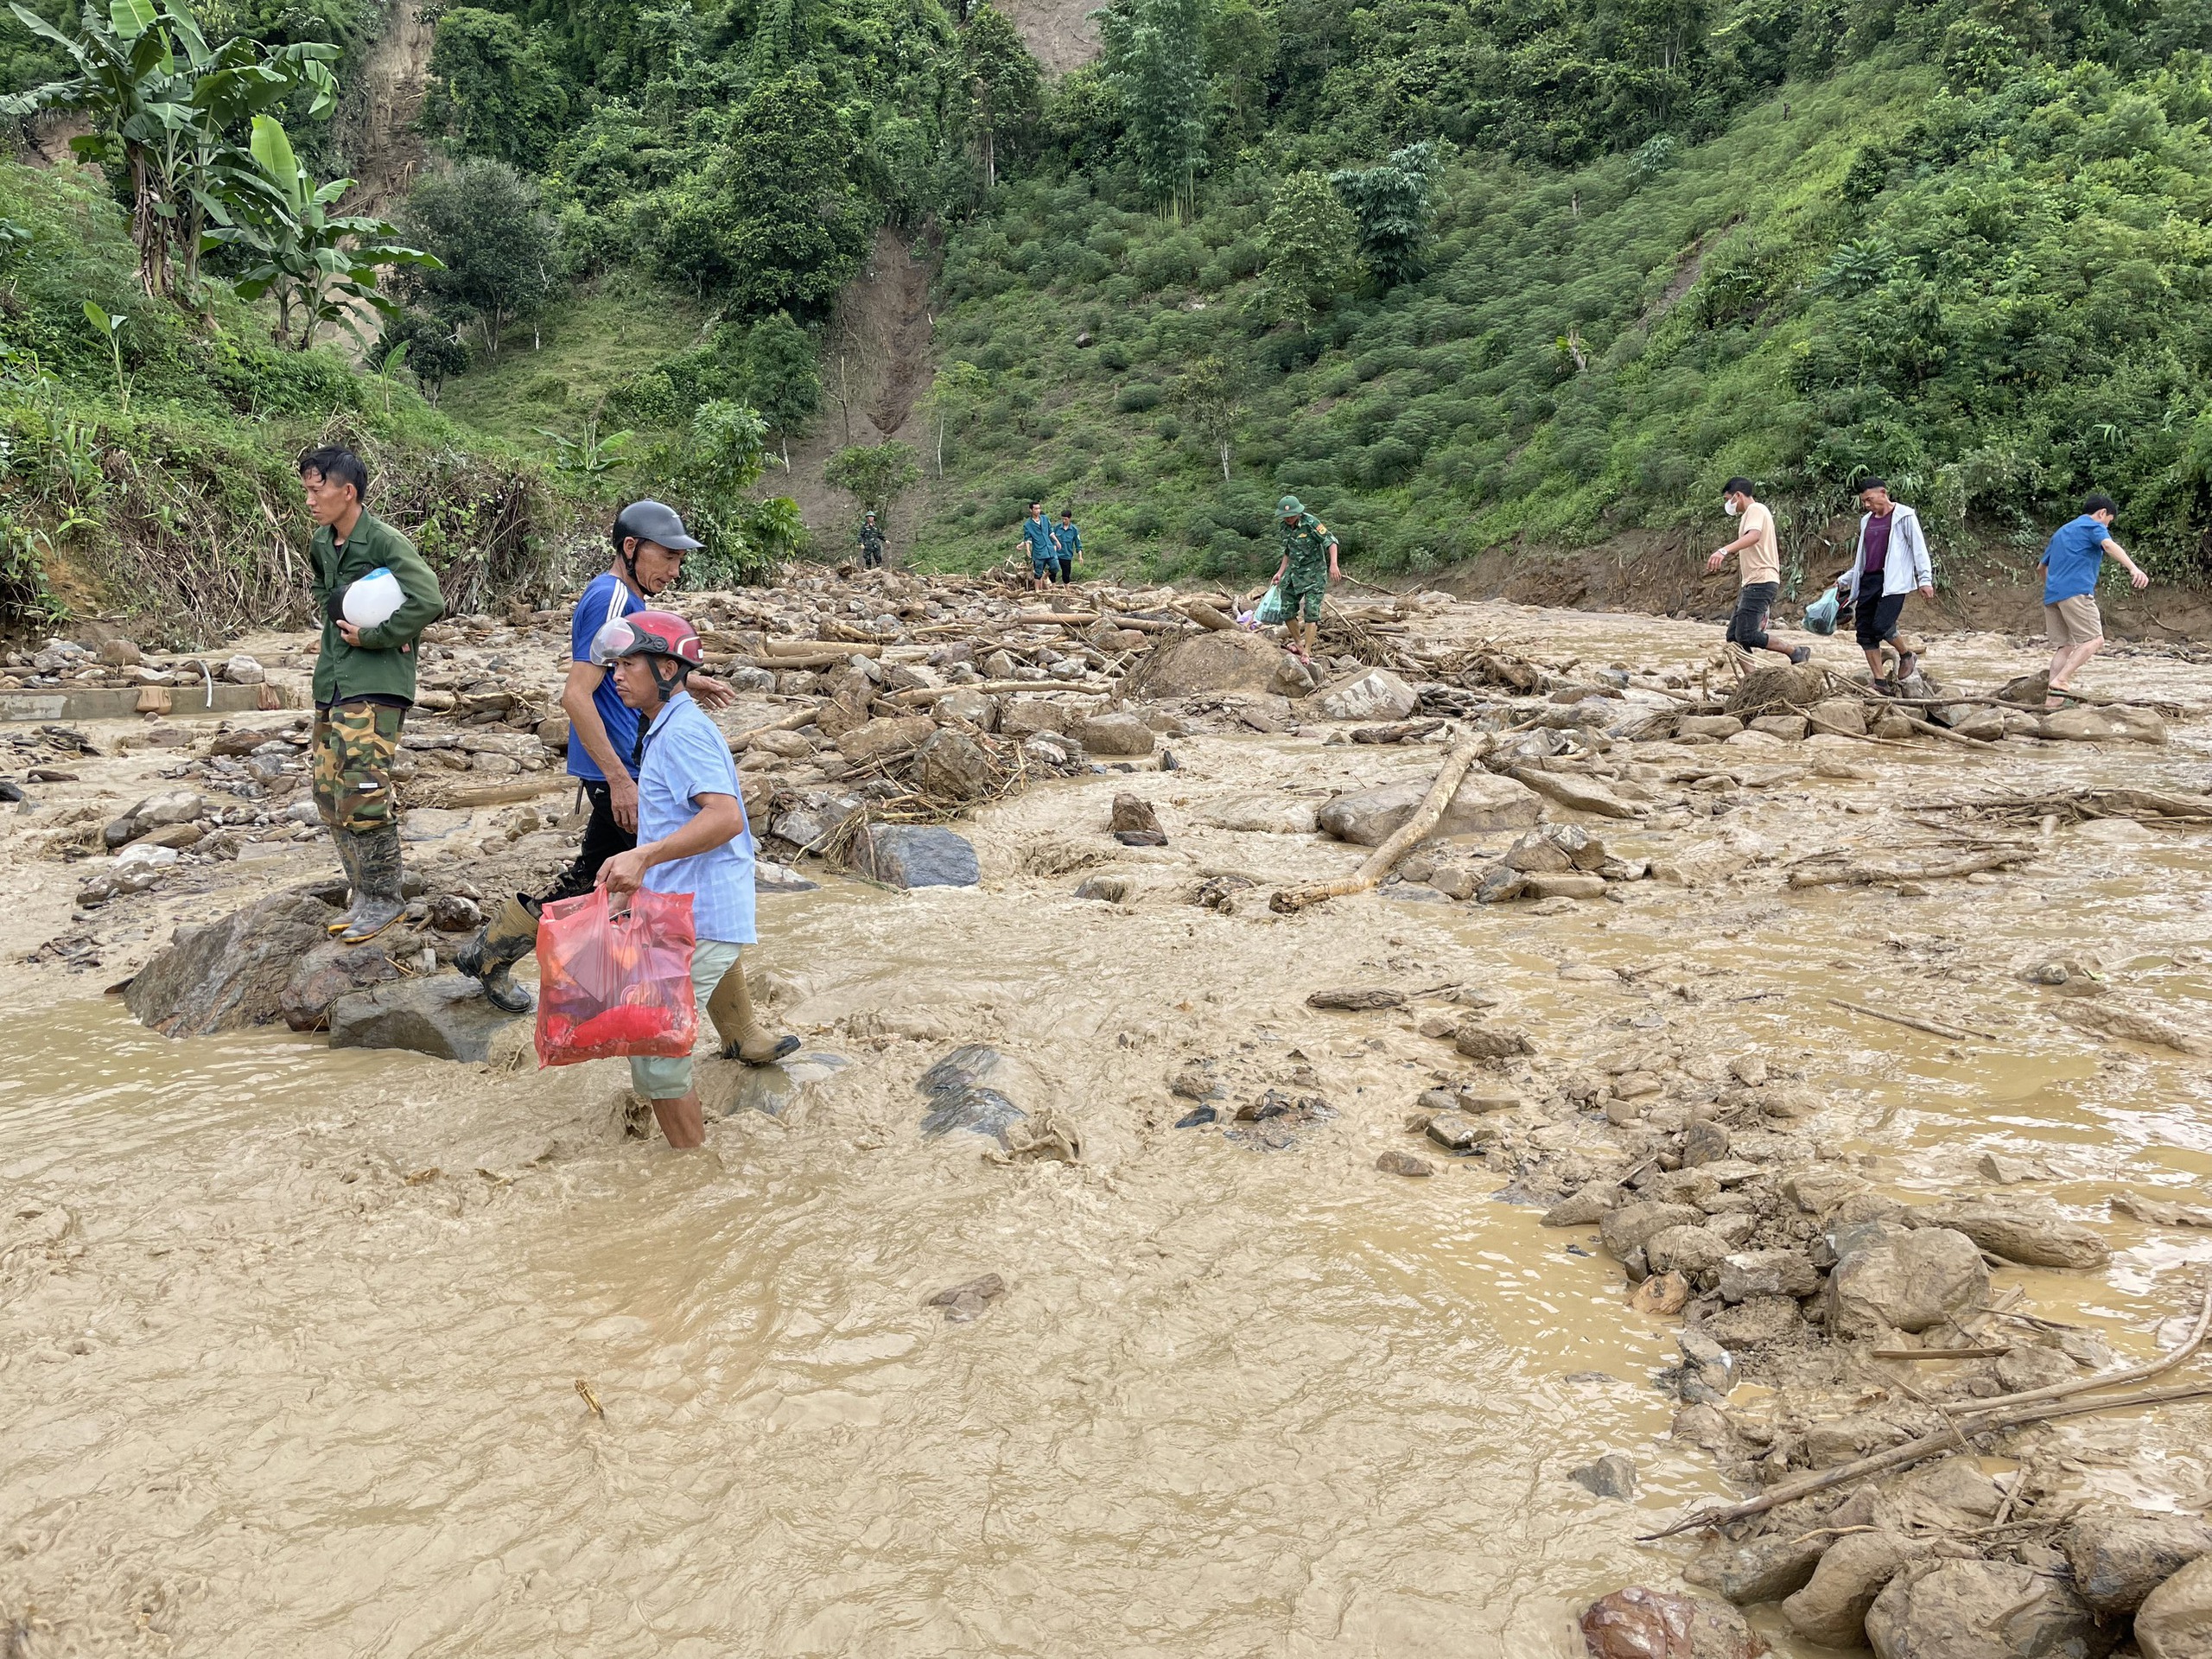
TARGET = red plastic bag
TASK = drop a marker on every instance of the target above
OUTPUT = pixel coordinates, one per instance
(611, 986)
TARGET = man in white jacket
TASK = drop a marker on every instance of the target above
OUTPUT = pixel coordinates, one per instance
(1891, 561)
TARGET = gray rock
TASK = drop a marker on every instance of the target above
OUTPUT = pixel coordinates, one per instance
(776, 1091)
(1217, 660)
(1765, 1569)
(810, 819)
(962, 1096)
(1484, 805)
(1722, 726)
(230, 974)
(1704, 1142)
(953, 767)
(964, 1303)
(2175, 1621)
(1767, 1272)
(446, 1018)
(2033, 1366)
(1843, 1438)
(1628, 1227)
(1375, 694)
(915, 855)
(1908, 1283)
(1756, 1322)
(1610, 1475)
(2035, 1235)
(1832, 1608)
(1986, 1610)
(1689, 1250)
(978, 708)
(1120, 732)
(1583, 1205)
(328, 971)
(242, 669)
(172, 806)
(2117, 1560)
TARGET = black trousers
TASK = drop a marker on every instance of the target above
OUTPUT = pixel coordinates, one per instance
(1753, 601)
(1878, 620)
(603, 838)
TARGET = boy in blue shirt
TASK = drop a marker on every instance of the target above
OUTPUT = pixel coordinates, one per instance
(649, 543)
(1067, 543)
(1037, 536)
(692, 837)
(2072, 562)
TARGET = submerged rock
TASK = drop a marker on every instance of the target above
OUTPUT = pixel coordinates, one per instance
(446, 1018)
(1610, 1475)
(915, 855)
(961, 1097)
(1641, 1624)
(776, 1089)
(1986, 1609)
(1483, 805)
(230, 974)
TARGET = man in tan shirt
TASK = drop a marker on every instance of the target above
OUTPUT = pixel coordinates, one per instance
(1759, 559)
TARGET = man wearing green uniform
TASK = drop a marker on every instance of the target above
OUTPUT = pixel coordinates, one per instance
(363, 683)
(871, 540)
(1309, 565)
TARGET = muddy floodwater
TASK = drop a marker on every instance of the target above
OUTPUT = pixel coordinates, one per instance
(291, 1340)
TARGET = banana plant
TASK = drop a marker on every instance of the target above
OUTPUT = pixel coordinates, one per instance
(160, 103)
(319, 265)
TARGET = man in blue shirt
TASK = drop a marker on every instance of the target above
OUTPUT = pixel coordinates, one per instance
(1037, 536)
(692, 837)
(649, 543)
(1067, 543)
(2072, 562)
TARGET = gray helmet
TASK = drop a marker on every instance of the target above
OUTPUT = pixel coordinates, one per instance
(652, 521)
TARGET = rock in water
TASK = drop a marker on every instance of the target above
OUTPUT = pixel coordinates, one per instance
(961, 1097)
(1119, 732)
(915, 855)
(2034, 1235)
(964, 1303)
(1376, 695)
(1610, 1475)
(1134, 822)
(2175, 1621)
(776, 1089)
(446, 1018)
(229, 974)
(1986, 1610)
(1357, 998)
(1911, 1283)
(1765, 1569)
(1641, 1624)
(2117, 1560)
(953, 767)
(329, 970)
(1831, 1609)
(1395, 1162)
(1235, 661)
(1484, 805)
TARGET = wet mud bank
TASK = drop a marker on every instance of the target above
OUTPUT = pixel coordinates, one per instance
(1376, 1273)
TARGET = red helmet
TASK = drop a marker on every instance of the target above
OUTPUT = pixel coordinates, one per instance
(649, 633)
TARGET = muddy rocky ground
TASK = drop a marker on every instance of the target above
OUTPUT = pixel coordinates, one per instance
(1130, 1264)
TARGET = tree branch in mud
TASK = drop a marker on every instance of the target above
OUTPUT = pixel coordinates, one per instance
(1987, 1417)
(1385, 859)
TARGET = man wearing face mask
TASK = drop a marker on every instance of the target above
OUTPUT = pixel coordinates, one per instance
(1759, 559)
(649, 543)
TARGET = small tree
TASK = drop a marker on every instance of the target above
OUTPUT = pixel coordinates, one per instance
(875, 474)
(1308, 236)
(1391, 202)
(435, 352)
(498, 251)
(709, 472)
(1155, 56)
(1211, 394)
(1002, 82)
(954, 397)
(780, 378)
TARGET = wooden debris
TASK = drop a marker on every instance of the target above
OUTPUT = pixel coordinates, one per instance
(1385, 859)
(1934, 1028)
(1356, 999)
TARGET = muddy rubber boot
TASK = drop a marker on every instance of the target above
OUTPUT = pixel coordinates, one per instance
(349, 860)
(501, 942)
(742, 1037)
(380, 904)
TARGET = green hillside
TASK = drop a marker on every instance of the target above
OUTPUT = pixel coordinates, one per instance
(1463, 276)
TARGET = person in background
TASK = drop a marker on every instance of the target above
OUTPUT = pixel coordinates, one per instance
(1308, 566)
(2071, 563)
(1067, 544)
(649, 543)
(363, 683)
(692, 837)
(1758, 564)
(1036, 534)
(1891, 561)
(871, 540)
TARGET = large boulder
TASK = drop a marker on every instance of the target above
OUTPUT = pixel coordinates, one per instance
(2035, 1235)
(1116, 733)
(1906, 1283)
(1376, 695)
(952, 767)
(446, 1018)
(2117, 1560)
(1484, 804)
(1641, 1624)
(915, 855)
(328, 971)
(1831, 1609)
(1628, 1227)
(1195, 664)
(2175, 1621)
(1765, 1569)
(1984, 1610)
(883, 740)
(228, 974)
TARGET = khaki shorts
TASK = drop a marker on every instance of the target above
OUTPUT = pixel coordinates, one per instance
(2073, 621)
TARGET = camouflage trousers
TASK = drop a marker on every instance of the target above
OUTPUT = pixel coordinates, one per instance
(354, 745)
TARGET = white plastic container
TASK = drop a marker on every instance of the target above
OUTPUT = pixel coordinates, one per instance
(374, 599)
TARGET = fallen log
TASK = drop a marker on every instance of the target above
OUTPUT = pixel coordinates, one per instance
(1869, 875)
(1385, 859)
(1986, 1417)
(1570, 792)
(1934, 1028)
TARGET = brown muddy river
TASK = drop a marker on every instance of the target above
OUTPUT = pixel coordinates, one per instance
(292, 1338)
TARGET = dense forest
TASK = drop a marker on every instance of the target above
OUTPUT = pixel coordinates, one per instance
(1463, 274)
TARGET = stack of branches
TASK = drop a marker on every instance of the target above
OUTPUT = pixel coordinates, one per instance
(1345, 634)
(1487, 664)
(1962, 855)
(914, 804)
(2074, 806)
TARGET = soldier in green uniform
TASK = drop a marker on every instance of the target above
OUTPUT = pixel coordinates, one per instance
(871, 540)
(1309, 565)
(363, 683)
